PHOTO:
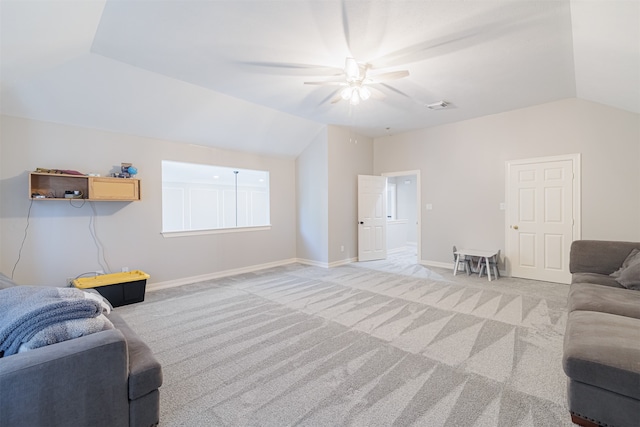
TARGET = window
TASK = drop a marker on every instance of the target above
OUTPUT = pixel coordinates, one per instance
(205, 197)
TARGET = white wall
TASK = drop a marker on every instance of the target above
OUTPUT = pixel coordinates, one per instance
(463, 166)
(312, 201)
(59, 242)
(350, 155)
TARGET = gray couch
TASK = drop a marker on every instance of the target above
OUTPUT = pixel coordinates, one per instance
(602, 339)
(108, 378)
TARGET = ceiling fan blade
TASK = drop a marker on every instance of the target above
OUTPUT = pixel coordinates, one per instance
(391, 75)
(334, 94)
(296, 68)
(345, 24)
(474, 30)
(377, 93)
(401, 93)
(327, 83)
(393, 89)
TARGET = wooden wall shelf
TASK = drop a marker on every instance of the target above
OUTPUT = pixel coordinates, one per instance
(92, 188)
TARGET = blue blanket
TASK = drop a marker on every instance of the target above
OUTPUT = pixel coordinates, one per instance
(26, 310)
(67, 330)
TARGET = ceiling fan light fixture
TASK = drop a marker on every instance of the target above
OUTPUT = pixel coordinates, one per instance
(355, 93)
(355, 97)
(346, 93)
(354, 87)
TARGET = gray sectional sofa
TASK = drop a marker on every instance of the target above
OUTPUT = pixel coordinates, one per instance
(602, 339)
(108, 378)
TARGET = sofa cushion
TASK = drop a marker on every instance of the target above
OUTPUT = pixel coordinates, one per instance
(603, 350)
(632, 259)
(604, 299)
(599, 256)
(595, 278)
(630, 277)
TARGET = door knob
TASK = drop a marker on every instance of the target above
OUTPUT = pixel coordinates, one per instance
(515, 227)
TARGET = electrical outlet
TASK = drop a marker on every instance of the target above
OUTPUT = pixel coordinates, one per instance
(125, 269)
(342, 248)
(99, 272)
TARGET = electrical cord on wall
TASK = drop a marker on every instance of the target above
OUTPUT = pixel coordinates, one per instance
(76, 206)
(92, 230)
(94, 235)
(86, 274)
(96, 240)
(23, 240)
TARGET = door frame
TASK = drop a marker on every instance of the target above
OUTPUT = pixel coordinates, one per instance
(416, 173)
(576, 229)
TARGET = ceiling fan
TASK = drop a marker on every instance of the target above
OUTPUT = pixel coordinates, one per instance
(356, 84)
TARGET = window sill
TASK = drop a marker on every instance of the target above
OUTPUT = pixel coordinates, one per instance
(186, 233)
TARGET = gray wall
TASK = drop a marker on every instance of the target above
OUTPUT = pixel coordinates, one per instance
(350, 155)
(463, 170)
(312, 201)
(59, 242)
(327, 195)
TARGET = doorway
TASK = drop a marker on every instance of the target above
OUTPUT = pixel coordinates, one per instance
(403, 215)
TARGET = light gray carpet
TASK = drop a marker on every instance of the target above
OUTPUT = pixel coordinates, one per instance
(383, 343)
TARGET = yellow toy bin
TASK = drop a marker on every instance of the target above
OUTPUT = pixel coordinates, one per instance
(119, 288)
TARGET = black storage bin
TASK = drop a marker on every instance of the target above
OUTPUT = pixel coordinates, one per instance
(119, 288)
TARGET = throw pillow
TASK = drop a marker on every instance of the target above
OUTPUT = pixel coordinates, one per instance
(630, 277)
(632, 259)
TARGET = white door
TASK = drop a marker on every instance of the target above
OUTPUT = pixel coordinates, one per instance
(542, 207)
(372, 217)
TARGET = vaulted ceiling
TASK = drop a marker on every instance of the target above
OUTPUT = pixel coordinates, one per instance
(231, 73)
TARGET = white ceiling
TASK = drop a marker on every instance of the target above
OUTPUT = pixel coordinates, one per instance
(230, 73)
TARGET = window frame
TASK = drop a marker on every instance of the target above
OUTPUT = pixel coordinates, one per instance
(196, 182)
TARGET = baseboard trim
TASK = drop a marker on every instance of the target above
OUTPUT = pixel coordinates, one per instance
(342, 262)
(217, 275)
(437, 264)
(326, 264)
(312, 262)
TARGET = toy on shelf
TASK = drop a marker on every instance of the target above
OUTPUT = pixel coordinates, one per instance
(127, 170)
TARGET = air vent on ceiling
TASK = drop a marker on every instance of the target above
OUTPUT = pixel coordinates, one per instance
(440, 105)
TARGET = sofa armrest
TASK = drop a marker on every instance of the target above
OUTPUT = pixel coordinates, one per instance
(58, 385)
(599, 256)
(145, 372)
